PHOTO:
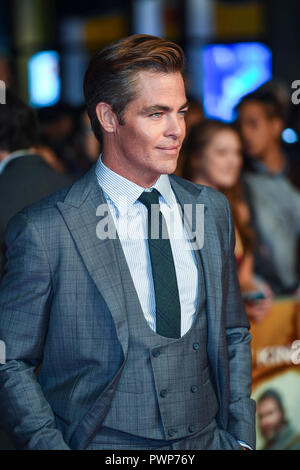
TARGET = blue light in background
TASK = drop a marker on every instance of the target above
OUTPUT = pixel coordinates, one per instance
(44, 79)
(230, 72)
(289, 136)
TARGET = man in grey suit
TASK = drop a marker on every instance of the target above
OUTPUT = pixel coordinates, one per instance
(142, 341)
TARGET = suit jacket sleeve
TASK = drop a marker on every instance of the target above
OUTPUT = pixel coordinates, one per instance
(25, 296)
(242, 408)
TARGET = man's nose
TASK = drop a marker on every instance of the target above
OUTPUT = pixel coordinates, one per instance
(176, 128)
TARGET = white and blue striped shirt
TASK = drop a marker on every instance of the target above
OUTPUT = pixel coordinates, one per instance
(132, 217)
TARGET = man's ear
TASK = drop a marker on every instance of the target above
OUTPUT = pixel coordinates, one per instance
(106, 117)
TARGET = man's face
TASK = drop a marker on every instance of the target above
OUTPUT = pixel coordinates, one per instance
(258, 130)
(147, 144)
(270, 417)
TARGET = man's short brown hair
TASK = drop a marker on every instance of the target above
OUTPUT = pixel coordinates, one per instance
(270, 102)
(111, 73)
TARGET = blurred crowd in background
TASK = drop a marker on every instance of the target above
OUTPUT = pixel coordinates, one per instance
(44, 148)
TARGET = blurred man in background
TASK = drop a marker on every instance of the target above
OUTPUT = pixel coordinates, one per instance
(274, 426)
(262, 118)
(274, 201)
(25, 177)
(67, 132)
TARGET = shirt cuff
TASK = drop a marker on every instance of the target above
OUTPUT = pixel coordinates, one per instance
(243, 444)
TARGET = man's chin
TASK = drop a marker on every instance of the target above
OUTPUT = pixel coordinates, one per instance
(169, 168)
(253, 154)
(270, 436)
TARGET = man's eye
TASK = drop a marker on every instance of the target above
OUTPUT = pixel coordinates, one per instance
(156, 114)
(183, 112)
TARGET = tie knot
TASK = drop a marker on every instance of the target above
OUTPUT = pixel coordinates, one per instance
(149, 197)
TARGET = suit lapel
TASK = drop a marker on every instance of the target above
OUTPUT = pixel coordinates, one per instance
(102, 257)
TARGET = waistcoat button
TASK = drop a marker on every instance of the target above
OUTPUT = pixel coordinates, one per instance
(172, 432)
(156, 353)
(192, 428)
(164, 393)
(196, 346)
(194, 389)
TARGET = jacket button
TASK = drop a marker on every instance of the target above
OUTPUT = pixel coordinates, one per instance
(194, 389)
(164, 393)
(172, 432)
(192, 428)
(196, 346)
(156, 353)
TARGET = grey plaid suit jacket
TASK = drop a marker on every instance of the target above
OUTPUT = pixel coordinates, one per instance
(63, 309)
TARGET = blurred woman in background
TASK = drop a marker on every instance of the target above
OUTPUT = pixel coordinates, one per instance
(213, 158)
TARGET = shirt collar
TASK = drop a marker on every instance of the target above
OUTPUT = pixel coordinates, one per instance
(111, 183)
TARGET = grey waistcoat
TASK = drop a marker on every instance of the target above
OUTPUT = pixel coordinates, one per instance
(165, 390)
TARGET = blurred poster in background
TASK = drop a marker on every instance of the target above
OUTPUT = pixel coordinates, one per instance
(276, 375)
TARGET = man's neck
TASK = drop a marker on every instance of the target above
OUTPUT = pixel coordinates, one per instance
(140, 178)
(274, 159)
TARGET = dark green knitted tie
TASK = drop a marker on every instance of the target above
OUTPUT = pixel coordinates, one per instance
(168, 320)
